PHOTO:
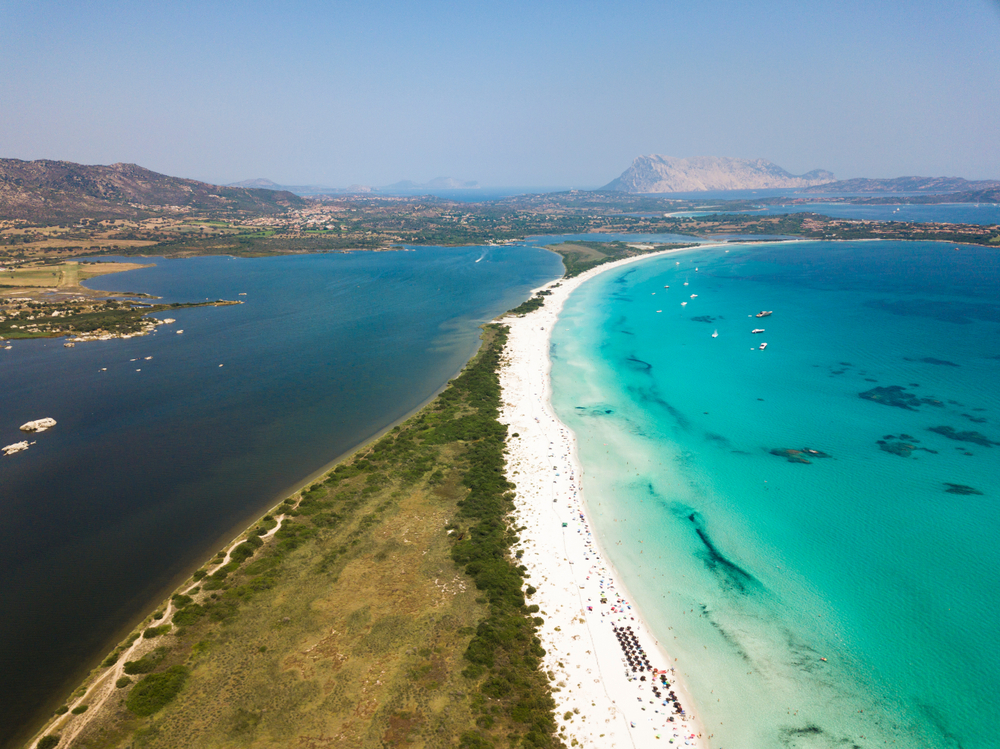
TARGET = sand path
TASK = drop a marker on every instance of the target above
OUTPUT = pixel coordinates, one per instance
(70, 726)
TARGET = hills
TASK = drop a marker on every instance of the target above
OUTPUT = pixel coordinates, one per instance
(62, 190)
(906, 184)
(406, 185)
(661, 174)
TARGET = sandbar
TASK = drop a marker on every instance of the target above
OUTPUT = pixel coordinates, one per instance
(604, 693)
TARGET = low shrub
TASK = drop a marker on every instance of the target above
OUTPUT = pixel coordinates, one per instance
(188, 615)
(243, 551)
(48, 742)
(122, 682)
(152, 632)
(111, 660)
(156, 690)
(147, 663)
(79, 709)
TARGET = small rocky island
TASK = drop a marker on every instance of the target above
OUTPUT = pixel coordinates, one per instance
(38, 425)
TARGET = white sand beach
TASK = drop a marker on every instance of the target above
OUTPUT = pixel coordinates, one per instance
(608, 668)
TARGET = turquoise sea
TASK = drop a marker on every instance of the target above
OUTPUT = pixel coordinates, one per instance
(849, 600)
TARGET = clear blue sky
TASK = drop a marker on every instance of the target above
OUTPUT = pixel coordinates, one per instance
(515, 93)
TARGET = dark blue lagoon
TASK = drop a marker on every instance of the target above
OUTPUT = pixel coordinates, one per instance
(167, 445)
(810, 529)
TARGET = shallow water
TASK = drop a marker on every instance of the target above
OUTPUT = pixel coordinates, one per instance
(148, 472)
(753, 569)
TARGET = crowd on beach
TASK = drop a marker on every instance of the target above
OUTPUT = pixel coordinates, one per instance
(614, 685)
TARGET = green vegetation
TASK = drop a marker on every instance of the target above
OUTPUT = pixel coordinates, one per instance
(579, 256)
(532, 304)
(48, 320)
(79, 709)
(386, 610)
(156, 690)
(48, 742)
(147, 663)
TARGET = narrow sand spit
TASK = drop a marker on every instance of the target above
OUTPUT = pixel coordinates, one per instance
(597, 646)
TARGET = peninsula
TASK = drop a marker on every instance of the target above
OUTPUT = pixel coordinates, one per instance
(409, 592)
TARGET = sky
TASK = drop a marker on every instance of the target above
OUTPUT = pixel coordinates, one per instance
(518, 93)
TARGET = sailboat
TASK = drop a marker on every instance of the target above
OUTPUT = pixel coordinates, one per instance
(716, 333)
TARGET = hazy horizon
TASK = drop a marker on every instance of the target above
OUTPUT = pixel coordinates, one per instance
(311, 93)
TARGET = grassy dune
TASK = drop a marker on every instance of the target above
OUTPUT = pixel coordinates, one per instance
(579, 256)
(386, 611)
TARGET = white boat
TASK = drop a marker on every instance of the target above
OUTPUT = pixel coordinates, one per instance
(715, 334)
(764, 313)
(763, 346)
(757, 330)
(683, 303)
(693, 296)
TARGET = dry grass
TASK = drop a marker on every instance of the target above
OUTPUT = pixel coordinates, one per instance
(349, 625)
(63, 275)
(359, 644)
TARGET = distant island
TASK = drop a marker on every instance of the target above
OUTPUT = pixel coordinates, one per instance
(664, 174)
(438, 183)
(406, 185)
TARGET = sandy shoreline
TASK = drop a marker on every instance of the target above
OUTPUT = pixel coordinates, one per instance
(602, 699)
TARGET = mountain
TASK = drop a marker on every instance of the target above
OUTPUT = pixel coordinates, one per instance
(655, 173)
(907, 184)
(61, 190)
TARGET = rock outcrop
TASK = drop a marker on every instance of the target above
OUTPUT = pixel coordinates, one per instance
(15, 448)
(657, 174)
(38, 425)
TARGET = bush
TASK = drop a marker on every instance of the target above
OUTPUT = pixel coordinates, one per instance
(156, 690)
(48, 742)
(243, 551)
(124, 681)
(147, 663)
(62, 710)
(152, 632)
(79, 709)
(188, 615)
(111, 660)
